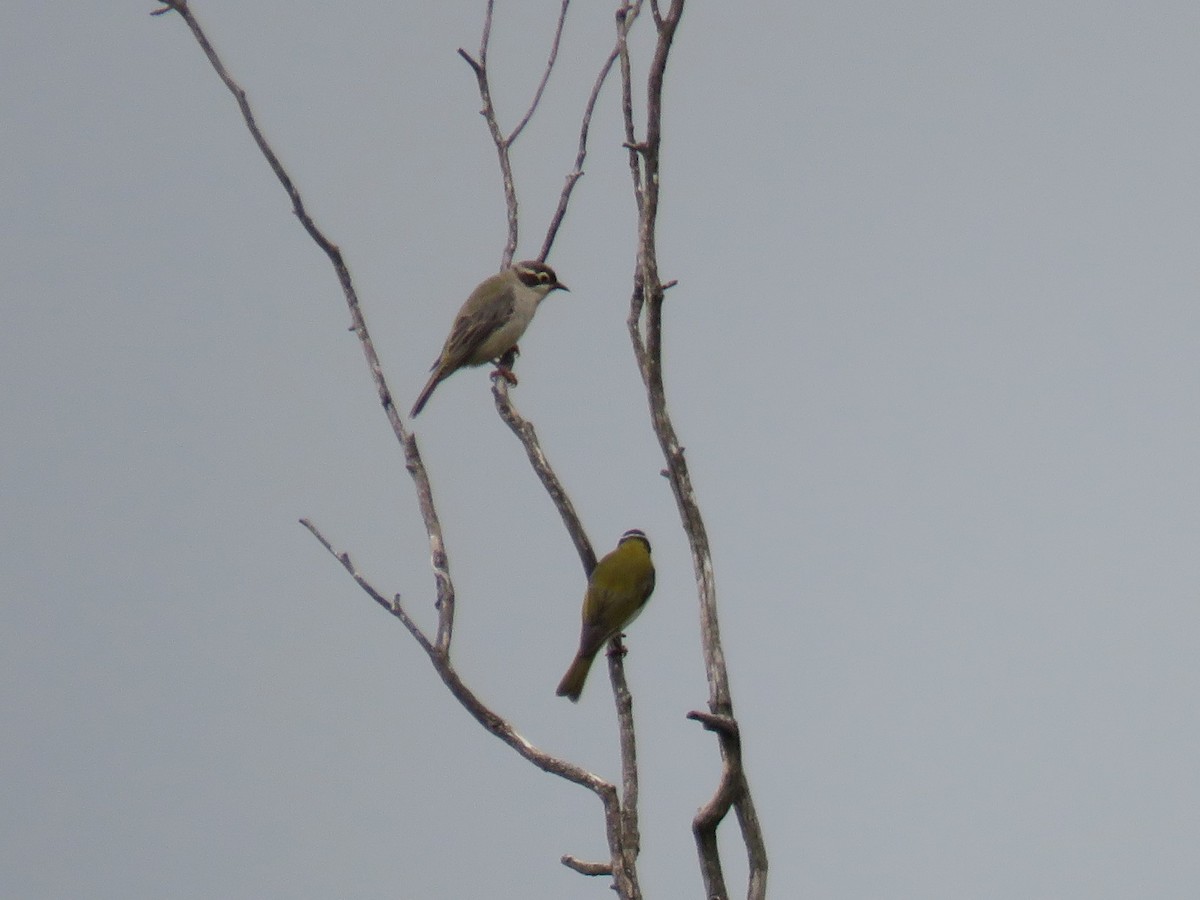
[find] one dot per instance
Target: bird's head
(538, 276)
(635, 534)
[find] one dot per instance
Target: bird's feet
(615, 647)
(503, 371)
(505, 363)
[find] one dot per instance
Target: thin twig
(625, 849)
(479, 67)
(623, 866)
(624, 22)
(631, 839)
(490, 720)
(622, 836)
(393, 605)
(627, 13)
(586, 868)
(438, 557)
(624, 880)
(729, 791)
(438, 651)
(537, 95)
(527, 435)
(444, 585)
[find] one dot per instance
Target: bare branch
(393, 605)
(624, 23)
(479, 67)
(752, 834)
(625, 852)
(437, 547)
(586, 868)
(730, 789)
(438, 651)
(721, 724)
(645, 330)
(470, 61)
(620, 817)
(490, 720)
(537, 95)
(623, 868)
(627, 844)
(444, 585)
(615, 818)
(631, 839)
(527, 435)
(654, 11)
(626, 13)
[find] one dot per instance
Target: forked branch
(617, 819)
(503, 144)
(626, 14)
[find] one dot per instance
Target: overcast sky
(933, 354)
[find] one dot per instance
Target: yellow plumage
(617, 591)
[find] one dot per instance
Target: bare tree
(642, 143)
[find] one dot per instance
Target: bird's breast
(503, 338)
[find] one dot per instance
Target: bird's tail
(433, 381)
(571, 685)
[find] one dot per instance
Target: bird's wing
(647, 586)
(479, 319)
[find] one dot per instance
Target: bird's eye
(543, 277)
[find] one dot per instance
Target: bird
(492, 321)
(617, 591)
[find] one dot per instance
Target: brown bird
(492, 320)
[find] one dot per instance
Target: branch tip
(475, 66)
(585, 868)
(725, 725)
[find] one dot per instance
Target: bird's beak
(558, 285)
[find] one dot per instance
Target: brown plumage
(492, 320)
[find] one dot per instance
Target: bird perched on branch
(617, 591)
(492, 321)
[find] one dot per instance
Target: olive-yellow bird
(618, 590)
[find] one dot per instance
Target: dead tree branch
(444, 584)
(626, 14)
(488, 111)
(527, 435)
(537, 95)
(645, 329)
(624, 868)
(631, 839)
(617, 819)
(497, 725)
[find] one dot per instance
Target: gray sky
(933, 354)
